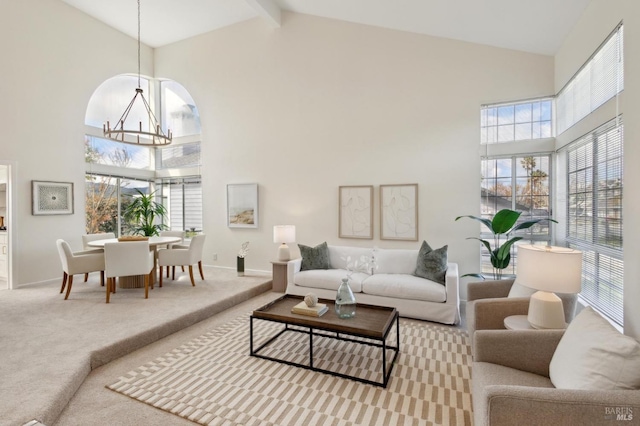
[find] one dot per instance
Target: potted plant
(142, 212)
(502, 224)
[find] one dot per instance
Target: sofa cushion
(342, 257)
(314, 257)
(593, 355)
(431, 264)
(396, 261)
(328, 279)
(404, 286)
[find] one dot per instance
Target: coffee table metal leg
(311, 347)
(251, 335)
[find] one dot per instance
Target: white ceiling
(537, 26)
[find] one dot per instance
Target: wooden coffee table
(371, 324)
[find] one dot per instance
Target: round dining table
(137, 281)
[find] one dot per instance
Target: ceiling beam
(268, 10)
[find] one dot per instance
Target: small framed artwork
(242, 205)
(399, 212)
(50, 198)
(355, 212)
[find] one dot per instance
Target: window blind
(600, 79)
(594, 214)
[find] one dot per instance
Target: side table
(517, 322)
(279, 276)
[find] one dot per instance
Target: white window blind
(184, 203)
(594, 215)
(600, 79)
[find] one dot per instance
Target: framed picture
(242, 205)
(399, 212)
(355, 212)
(48, 198)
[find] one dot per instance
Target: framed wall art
(242, 205)
(355, 212)
(399, 212)
(51, 198)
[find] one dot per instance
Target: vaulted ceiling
(537, 26)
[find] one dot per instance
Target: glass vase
(345, 301)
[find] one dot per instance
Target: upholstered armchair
(86, 238)
(512, 383)
(490, 302)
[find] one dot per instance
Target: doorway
(5, 226)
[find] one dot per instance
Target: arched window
(114, 169)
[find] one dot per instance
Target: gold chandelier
(133, 133)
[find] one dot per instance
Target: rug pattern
(212, 380)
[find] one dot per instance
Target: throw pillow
(593, 355)
(314, 257)
(432, 264)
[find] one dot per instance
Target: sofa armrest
(293, 267)
(489, 314)
(525, 350)
(488, 289)
(509, 405)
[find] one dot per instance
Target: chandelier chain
(138, 44)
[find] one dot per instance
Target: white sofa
(391, 284)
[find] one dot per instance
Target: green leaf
(504, 251)
(473, 275)
(529, 223)
(504, 220)
(484, 221)
(500, 262)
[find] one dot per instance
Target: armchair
(511, 384)
(182, 256)
(488, 305)
(80, 262)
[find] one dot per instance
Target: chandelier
(133, 133)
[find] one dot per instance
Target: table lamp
(549, 270)
(284, 234)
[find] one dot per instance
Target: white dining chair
(179, 244)
(80, 262)
(181, 257)
(124, 259)
(86, 238)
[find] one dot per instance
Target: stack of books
(313, 311)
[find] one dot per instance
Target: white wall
(300, 110)
(54, 57)
(321, 103)
(598, 20)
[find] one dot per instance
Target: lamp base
(284, 254)
(546, 311)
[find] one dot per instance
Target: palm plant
(142, 212)
(502, 224)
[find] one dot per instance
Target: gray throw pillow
(432, 264)
(314, 257)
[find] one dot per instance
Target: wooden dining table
(137, 281)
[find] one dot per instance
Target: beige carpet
(50, 345)
(212, 380)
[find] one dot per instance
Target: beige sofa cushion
(593, 355)
(329, 279)
(402, 286)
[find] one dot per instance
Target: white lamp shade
(551, 269)
(284, 234)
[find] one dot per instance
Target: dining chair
(179, 244)
(183, 256)
(80, 262)
(93, 237)
(123, 259)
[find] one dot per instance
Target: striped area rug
(212, 380)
